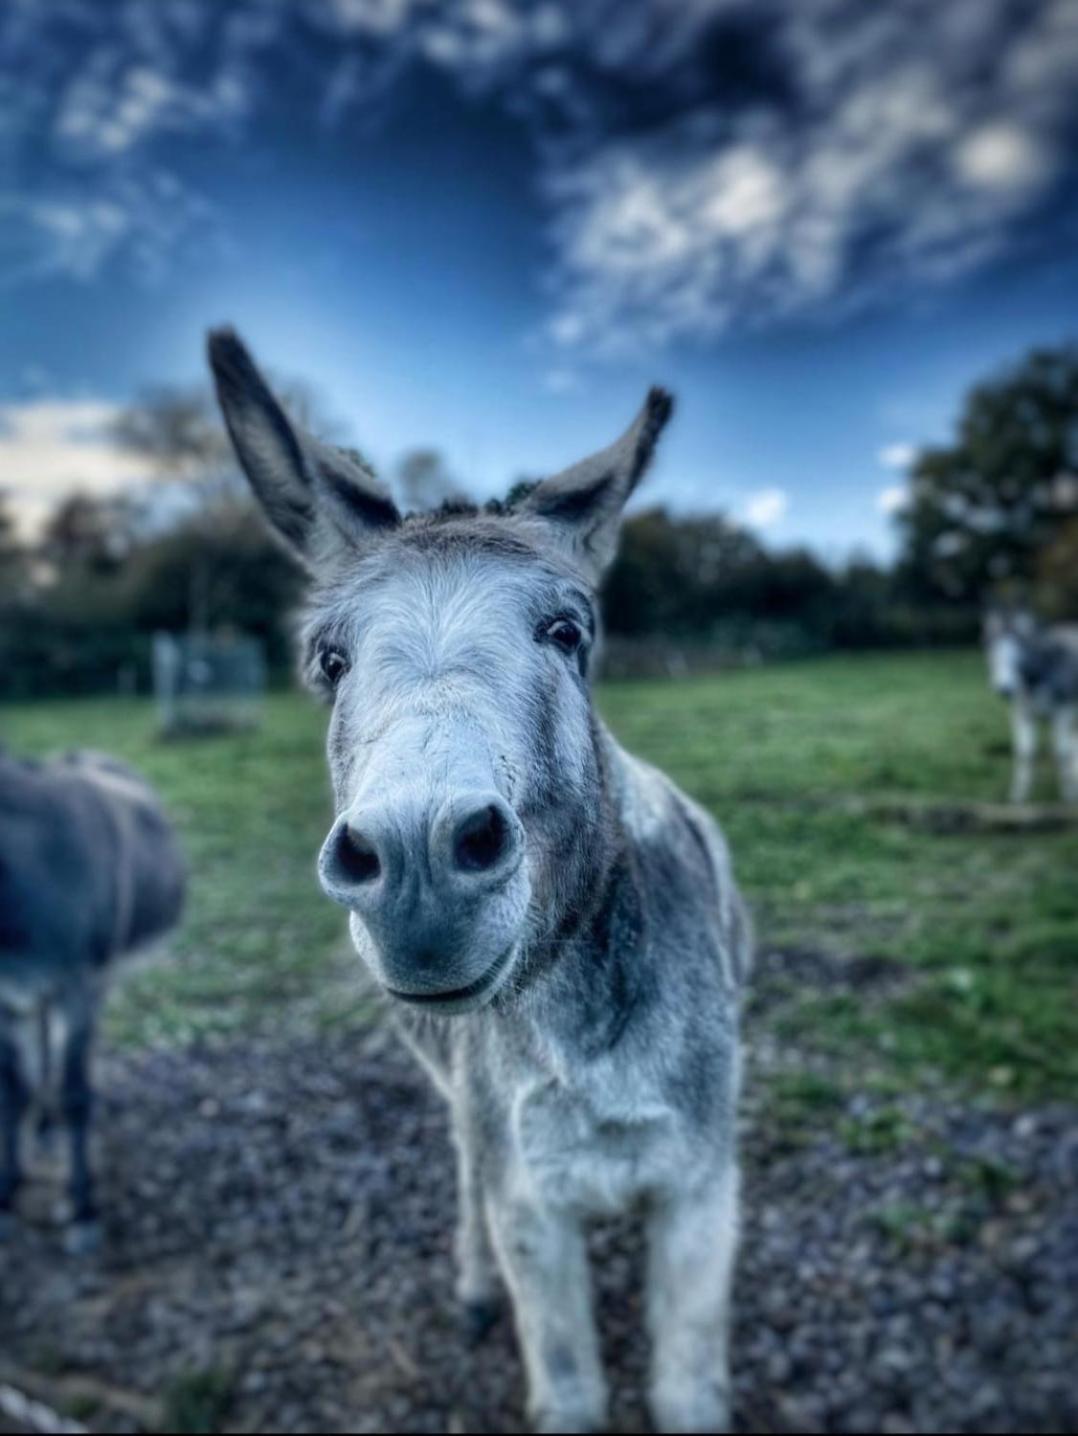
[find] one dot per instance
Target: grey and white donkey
(89, 869)
(557, 924)
(1035, 668)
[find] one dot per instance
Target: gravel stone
(280, 1215)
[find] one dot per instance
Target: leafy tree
(242, 579)
(178, 433)
(986, 510)
(694, 575)
(1057, 574)
(183, 443)
(424, 481)
(212, 521)
(85, 534)
(13, 557)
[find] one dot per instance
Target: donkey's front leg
(477, 1268)
(1065, 734)
(545, 1263)
(14, 1099)
(1025, 752)
(76, 1107)
(692, 1244)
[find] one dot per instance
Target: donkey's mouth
(460, 999)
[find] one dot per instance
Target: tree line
(992, 515)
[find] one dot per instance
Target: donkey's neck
(587, 981)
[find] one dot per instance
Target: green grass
(988, 921)
(196, 1402)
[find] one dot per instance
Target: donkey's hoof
(83, 1238)
(477, 1320)
(690, 1412)
(551, 1422)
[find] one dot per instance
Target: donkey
(89, 869)
(555, 923)
(1035, 667)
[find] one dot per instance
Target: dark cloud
(704, 162)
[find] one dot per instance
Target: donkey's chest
(593, 1147)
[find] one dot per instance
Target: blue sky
(487, 225)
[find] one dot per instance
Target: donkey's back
(89, 866)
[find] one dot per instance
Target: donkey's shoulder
(656, 814)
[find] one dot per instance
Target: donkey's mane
(463, 524)
(457, 508)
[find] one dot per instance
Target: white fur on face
(451, 690)
(444, 671)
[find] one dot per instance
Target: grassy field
(824, 775)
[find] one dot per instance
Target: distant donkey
(89, 869)
(1036, 668)
(557, 923)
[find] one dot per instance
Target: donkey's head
(1008, 636)
(472, 811)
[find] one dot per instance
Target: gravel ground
(278, 1237)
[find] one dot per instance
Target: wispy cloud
(112, 106)
(766, 509)
(893, 499)
(873, 156)
(87, 90)
(705, 163)
(51, 448)
(896, 456)
(62, 233)
(561, 381)
(78, 225)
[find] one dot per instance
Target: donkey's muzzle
(389, 856)
(440, 895)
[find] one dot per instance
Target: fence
(208, 685)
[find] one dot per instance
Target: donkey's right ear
(314, 495)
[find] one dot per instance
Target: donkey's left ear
(582, 505)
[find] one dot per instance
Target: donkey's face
(1007, 636)
(455, 649)
(460, 735)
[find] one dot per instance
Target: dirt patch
(791, 973)
(278, 1240)
(962, 819)
(941, 819)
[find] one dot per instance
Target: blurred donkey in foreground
(89, 869)
(1036, 668)
(557, 924)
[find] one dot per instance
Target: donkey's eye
(564, 634)
(334, 665)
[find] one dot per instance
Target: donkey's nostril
(356, 858)
(480, 840)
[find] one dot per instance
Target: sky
(486, 226)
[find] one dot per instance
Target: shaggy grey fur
(557, 923)
(1035, 667)
(89, 869)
